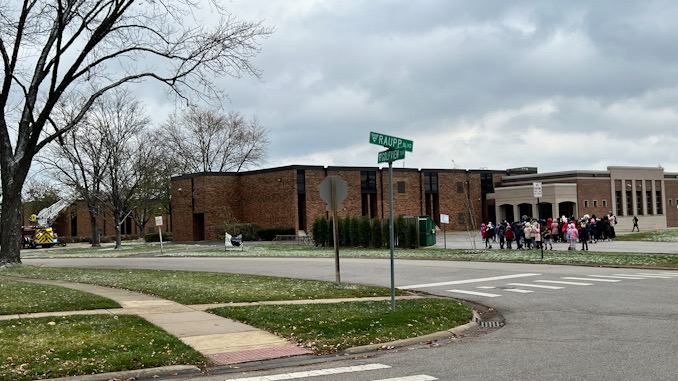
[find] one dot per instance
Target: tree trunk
(96, 237)
(118, 232)
(13, 179)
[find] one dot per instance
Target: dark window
(618, 198)
(486, 185)
(462, 218)
(659, 202)
(368, 181)
(639, 203)
(301, 181)
(648, 201)
(431, 182)
(460, 187)
(401, 187)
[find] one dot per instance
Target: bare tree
(50, 48)
(205, 140)
(121, 122)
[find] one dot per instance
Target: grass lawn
(662, 235)
(128, 248)
(67, 346)
(328, 328)
(592, 258)
(188, 287)
(22, 298)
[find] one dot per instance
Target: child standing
(573, 236)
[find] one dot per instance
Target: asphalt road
(608, 324)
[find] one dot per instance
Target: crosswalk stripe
(465, 281)
(616, 277)
(421, 377)
(315, 373)
(563, 282)
(519, 291)
(660, 274)
(653, 276)
(536, 286)
(591, 280)
(476, 293)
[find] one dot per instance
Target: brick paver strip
(258, 354)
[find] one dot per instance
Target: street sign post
(538, 192)
(390, 141)
(444, 220)
(396, 151)
(333, 190)
(158, 223)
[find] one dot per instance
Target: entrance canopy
(512, 203)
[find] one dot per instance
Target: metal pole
(160, 231)
(390, 231)
(444, 236)
(542, 238)
(334, 230)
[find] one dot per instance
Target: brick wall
(594, 190)
(671, 188)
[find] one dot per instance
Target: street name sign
(390, 155)
(390, 141)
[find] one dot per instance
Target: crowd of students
(532, 233)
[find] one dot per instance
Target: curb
(163, 371)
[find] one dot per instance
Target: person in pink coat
(554, 229)
(574, 236)
(536, 234)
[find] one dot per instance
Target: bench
(293, 239)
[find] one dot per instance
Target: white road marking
(315, 373)
(591, 280)
(421, 377)
(660, 274)
(487, 287)
(474, 293)
(519, 291)
(562, 282)
(616, 277)
(653, 276)
(536, 286)
(465, 281)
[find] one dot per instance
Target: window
(431, 182)
(659, 202)
(462, 218)
(401, 187)
(648, 202)
(586, 203)
(595, 203)
(629, 203)
(604, 203)
(639, 202)
(301, 181)
(368, 181)
(670, 202)
(460, 187)
(618, 198)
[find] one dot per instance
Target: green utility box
(427, 231)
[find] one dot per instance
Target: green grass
(662, 235)
(21, 298)
(592, 258)
(188, 287)
(327, 328)
(107, 250)
(67, 346)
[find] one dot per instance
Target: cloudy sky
(559, 85)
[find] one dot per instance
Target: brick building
(289, 197)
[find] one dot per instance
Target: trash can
(427, 231)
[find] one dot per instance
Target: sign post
(537, 188)
(444, 220)
(396, 151)
(333, 190)
(158, 223)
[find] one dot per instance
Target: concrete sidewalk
(223, 341)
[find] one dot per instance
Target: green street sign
(390, 155)
(390, 141)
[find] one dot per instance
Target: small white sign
(537, 189)
(158, 221)
(444, 219)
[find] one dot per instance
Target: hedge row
(363, 232)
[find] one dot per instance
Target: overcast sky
(559, 85)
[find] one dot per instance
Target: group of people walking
(532, 233)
